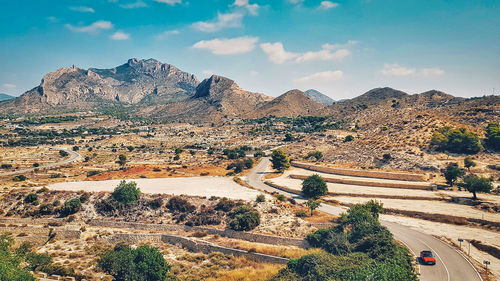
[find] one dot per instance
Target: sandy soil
(453, 232)
(193, 186)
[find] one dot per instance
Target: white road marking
(447, 272)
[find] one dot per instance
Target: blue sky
(341, 48)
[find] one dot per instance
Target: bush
(260, 198)
(46, 209)
(126, 193)
(31, 198)
(456, 140)
(178, 204)
(93, 173)
(156, 203)
(317, 154)
(71, 207)
(63, 153)
(245, 218)
(19, 178)
(38, 260)
(452, 173)
(225, 205)
(281, 197)
(348, 138)
(314, 187)
(301, 214)
(142, 264)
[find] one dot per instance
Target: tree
(280, 160)
(475, 184)
(348, 138)
(456, 140)
(142, 264)
(122, 159)
(468, 163)
(10, 263)
(452, 173)
(493, 135)
(314, 187)
(312, 204)
(126, 192)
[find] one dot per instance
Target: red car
(426, 257)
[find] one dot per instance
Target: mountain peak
(214, 84)
(319, 97)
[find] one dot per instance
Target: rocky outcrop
(319, 97)
(291, 104)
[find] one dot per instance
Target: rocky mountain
(215, 98)
(5, 97)
(319, 97)
(135, 82)
(291, 104)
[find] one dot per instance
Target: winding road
(73, 156)
(451, 265)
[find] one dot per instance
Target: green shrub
(19, 178)
(281, 197)
(126, 193)
(301, 214)
(63, 153)
(456, 140)
(260, 198)
(71, 207)
(225, 204)
(493, 135)
(144, 263)
(348, 138)
(452, 173)
(244, 219)
(46, 209)
(31, 198)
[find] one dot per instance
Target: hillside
(319, 97)
(215, 98)
(5, 97)
(291, 104)
(137, 81)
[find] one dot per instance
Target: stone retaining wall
(371, 183)
(247, 236)
(361, 173)
(63, 233)
(195, 246)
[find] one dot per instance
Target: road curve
(450, 266)
(74, 156)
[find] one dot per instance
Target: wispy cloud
(9, 86)
(93, 28)
(170, 2)
(224, 46)
(394, 69)
(167, 33)
(134, 5)
(276, 53)
(295, 2)
(82, 9)
(432, 72)
(119, 35)
(326, 5)
(228, 20)
(321, 77)
(252, 8)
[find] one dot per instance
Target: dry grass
(261, 272)
(279, 251)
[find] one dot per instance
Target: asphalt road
(73, 156)
(450, 266)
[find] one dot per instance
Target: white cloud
(395, 69)
(82, 9)
(295, 1)
(93, 28)
(166, 33)
(224, 46)
(9, 86)
(326, 5)
(170, 2)
(120, 36)
(228, 20)
(324, 55)
(276, 52)
(347, 45)
(432, 72)
(254, 73)
(252, 8)
(134, 5)
(321, 77)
